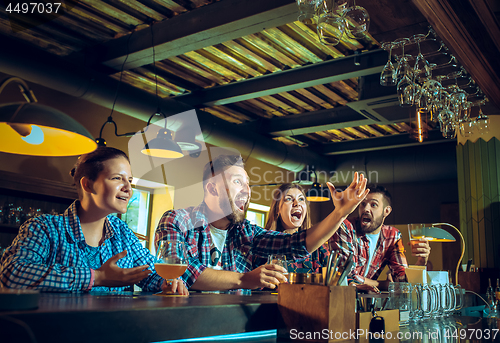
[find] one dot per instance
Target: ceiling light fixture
(317, 193)
(163, 145)
(28, 128)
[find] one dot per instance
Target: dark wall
(417, 202)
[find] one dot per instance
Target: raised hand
(346, 201)
(267, 275)
(110, 275)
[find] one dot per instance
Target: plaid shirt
(245, 242)
(312, 263)
(389, 251)
(50, 254)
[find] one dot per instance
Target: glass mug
(400, 297)
(416, 309)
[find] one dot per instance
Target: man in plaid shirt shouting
(374, 245)
(222, 244)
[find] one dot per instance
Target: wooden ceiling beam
(322, 120)
(371, 62)
(471, 32)
(205, 26)
(377, 143)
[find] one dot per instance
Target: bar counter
(144, 317)
(137, 317)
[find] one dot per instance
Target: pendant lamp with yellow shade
(29, 128)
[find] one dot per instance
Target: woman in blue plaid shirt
(86, 248)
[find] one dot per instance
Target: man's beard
(235, 216)
(374, 225)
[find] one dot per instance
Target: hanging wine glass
(440, 103)
(330, 28)
(466, 127)
(357, 21)
(482, 122)
(307, 10)
(422, 69)
(429, 94)
(417, 96)
(388, 75)
(331, 6)
(448, 129)
(403, 68)
(405, 92)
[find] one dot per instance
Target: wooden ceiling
(251, 63)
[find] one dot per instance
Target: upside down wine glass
(388, 75)
(422, 69)
(331, 27)
(171, 261)
(307, 10)
(357, 21)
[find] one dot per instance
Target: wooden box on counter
(315, 313)
(326, 314)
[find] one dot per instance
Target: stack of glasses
(424, 86)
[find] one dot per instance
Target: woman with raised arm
(289, 213)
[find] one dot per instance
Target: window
(137, 216)
(257, 214)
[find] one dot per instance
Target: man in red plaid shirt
(375, 245)
(222, 244)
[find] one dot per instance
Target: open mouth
(122, 198)
(240, 202)
(366, 220)
(296, 215)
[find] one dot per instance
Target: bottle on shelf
(490, 294)
(497, 294)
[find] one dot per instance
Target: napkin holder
(416, 274)
(438, 277)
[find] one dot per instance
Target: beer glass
(450, 300)
(279, 260)
(459, 297)
(426, 301)
(171, 261)
(416, 312)
(438, 300)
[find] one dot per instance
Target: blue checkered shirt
(245, 242)
(50, 254)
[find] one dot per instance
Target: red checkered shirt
(389, 251)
